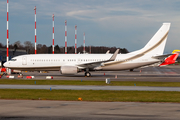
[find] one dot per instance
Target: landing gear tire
(87, 74)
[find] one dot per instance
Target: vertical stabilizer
(157, 43)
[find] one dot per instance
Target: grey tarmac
(89, 87)
(80, 110)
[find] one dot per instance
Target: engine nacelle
(69, 70)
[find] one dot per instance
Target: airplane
(150, 54)
(171, 59)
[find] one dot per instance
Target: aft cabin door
(24, 61)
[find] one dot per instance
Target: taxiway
(72, 110)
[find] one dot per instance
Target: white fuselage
(55, 61)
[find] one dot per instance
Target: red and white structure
(8, 70)
(7, 32)
(53, 33)
(75, 39)
(84, 44)
(35, 29)
(65, 36)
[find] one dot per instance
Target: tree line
(42, 48)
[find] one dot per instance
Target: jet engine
(69, 70)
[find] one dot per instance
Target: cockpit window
(13, 59)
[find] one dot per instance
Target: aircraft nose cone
(5, 64)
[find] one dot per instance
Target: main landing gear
(87, 73)
(131, 70)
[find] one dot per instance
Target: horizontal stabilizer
(162, 57)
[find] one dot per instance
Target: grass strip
(91, 95)
(86, 82)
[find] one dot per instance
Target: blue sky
(122, 23)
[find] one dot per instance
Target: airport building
(12, 53)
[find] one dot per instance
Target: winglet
(114, 55)
(108, 52)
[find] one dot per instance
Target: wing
(92, 65)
